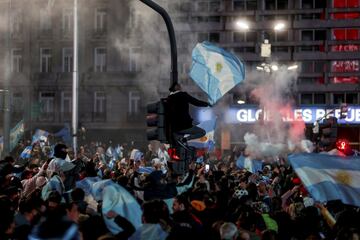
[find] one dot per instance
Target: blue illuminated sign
(251, 113)
(307, 114)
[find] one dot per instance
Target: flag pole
(75, 82)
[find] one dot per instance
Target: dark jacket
(178, 107)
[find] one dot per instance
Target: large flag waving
(329, 177)
(215, 70)
(40, 135)
(26, 153)
(64, 133)
(251, 165)
(206, 141)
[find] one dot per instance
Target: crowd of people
(124, 192)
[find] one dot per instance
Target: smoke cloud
(274, 135)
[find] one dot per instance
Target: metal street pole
(171, 32)
(75, 83)
(7, 117)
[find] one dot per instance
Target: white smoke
(273, 134)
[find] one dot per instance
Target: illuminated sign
(250, 114)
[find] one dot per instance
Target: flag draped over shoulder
(26, 153)
(251, 165)
(206, 141)
(215, 70)
(118, 199)
(329, 177)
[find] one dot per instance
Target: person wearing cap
(180, 119)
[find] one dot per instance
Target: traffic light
(156, 121)
(343, 146)
(328, 133)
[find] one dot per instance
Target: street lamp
(242, 24)
(293, 67)
(274, 67)
(279, 26)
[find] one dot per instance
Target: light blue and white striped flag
(26, 153)
(251, 165)
(206, 141)
(215, 70)
(146, 170)
(40, 135)
(329, 177)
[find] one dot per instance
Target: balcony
(98, 116)
(135, 117)
(47, 117)
(65, 116)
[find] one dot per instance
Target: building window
(45, 20)
(281, 36)
(100, 59)
(313, 66)
(16, 21)
(211, 37)
(179, 7)
(16, 60)
(209, 6)
(311, 4)
(67, 59)
(17, 102)
(99, 102)
(67, 20)
(244, 5)
(134, 102)
(338, 98)
(184, 68)
(313, 98)
(276, 4)
(47, 102)
(319, 98)
(313, 35)
(209, 19)
(66, 101)
(349, 98)
(240, 50)
(134, 59)
(244, 36)
(45, 60)
(100, 20)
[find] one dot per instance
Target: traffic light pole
(171, 32)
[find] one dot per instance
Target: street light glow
(259, 68)
(274, 67)
(279, 26)
(242, 24)
(241, 101)
(293, 67)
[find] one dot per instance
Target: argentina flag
(40, 135)
(215, 70)
(329, 177)
(26, 153)
(206, 141)
(250, 165)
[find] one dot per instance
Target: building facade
(321, 36)
(124, 57)
(40, 48)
